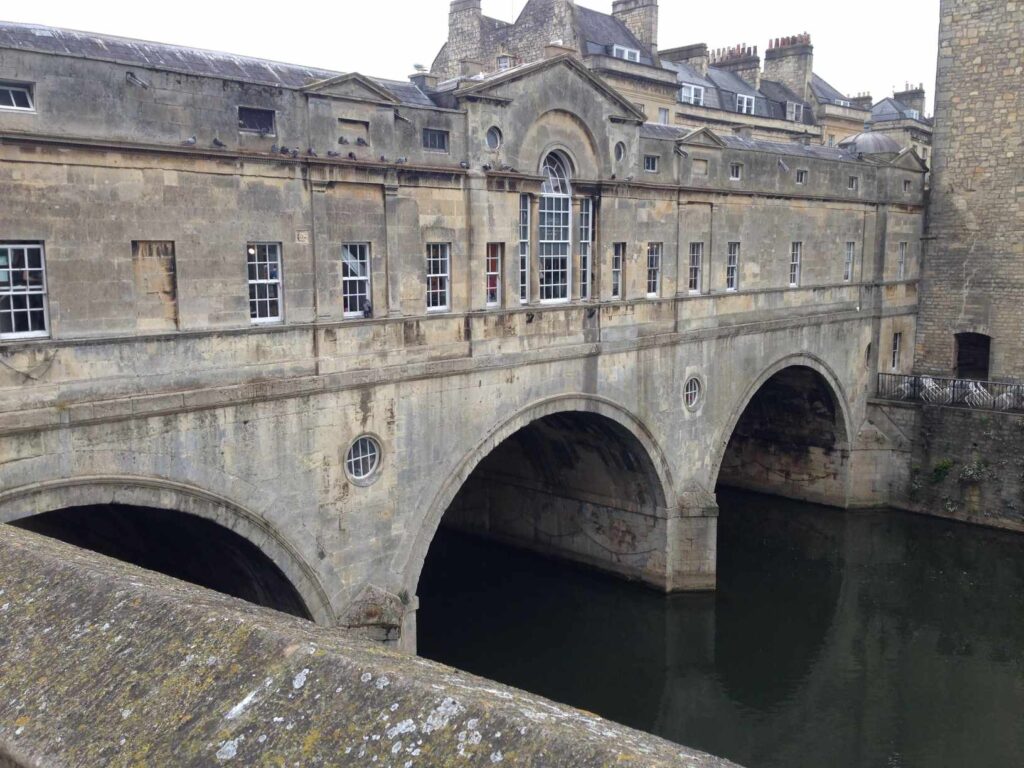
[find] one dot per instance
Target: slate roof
(892, 109)
(778, 95)
(789, 148)
(686, 74)
(600, 32)
(176, 58)
(825, 92)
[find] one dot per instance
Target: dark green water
(836, 639)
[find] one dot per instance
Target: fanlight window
(555, 230)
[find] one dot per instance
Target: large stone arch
(567, 132)
(412, 554)
(145, 492)
(844, 420)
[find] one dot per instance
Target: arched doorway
(791, 439)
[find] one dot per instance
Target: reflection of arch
(844, 425)
(411, 556)
(144, 492)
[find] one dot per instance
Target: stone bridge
(560, 430)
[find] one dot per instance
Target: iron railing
(962, 393)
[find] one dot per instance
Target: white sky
(869, 45)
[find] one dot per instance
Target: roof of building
(176, 58)
(871, 143)
(893, 109)
(733, 141)
(779, 95)
(600, 32)
(825, 92)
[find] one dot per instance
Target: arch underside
(791, 440)
(257, 563)
(574, 485)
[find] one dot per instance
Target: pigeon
(218, 143)
(362, 142)
(190, 141)
(488, 167)
(343, 140)
(274, 148)
(383, 159)
(332, 153)
(351, 155)
(464, 165)
(311, 153)
(402, 161)
(284, 150)
(295, 154)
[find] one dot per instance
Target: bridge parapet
(102, 663)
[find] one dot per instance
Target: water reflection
(840, 639)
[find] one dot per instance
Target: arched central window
(555, 229)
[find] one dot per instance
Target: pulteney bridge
(297, 433)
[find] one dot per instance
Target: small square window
(435, 140)
(907, 186)
(735, 171)
(853, 184)
(700, 167)
(651, 163)
(744, 104)
(628, 54)
(16, 96)
(663, 116)
(692, 94)
(252, 120)
(801, 176)
(794, 112)
(504, 62)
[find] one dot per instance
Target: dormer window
(504, 62)
(794, 112)
(622, 52)
(913, 114)
(744, 104)
(16, 96)
(252, 120)
(692, 94)
(843, 103)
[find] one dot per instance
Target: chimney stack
(741, 59)
(695, 56)
(640, 18)
(912, 97)
(790, 61)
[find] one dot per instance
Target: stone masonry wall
(974, 276)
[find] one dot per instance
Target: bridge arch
(412, 556)
(821, 388)
(145, 493)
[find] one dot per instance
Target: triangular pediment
(909, 160)
(492, 86)
(352, 86)
(702, 137)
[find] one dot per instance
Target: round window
(363, 459)
(494, 138)
(620, 151)
(692, 393)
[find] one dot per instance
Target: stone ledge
(102, 663)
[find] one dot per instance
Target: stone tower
(640, 18)
(790, 61)
(973, 281)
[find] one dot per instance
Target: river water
(836, 639)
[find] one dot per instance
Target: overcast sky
(870, 45)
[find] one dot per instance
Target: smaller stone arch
(566, 132)
(412, 555)
(143, 492)
(833, 384)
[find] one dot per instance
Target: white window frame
(618, 262)
(732, 268)
(31, 292)
(555, 229)
(692, 391)
(654, 258)
(504, 62)
(362, 460)
(524, 249)
(897, 349)
(901, 261)
(493, 265)
(437, 132)
(744, 104)
(354, 285)
(908, 186)
(272, 281)
(843, 103)
(695, 95)
(914, 114)
(439, 269)
(831, 139)
(9, 88)
(627, 54)
(696, 267)
(735, 171)
(664, 116)
(802, 175)
(796, 257)
(853, 184)
(849, 257)
(586, 245)
(652, 167)
(794, 112)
